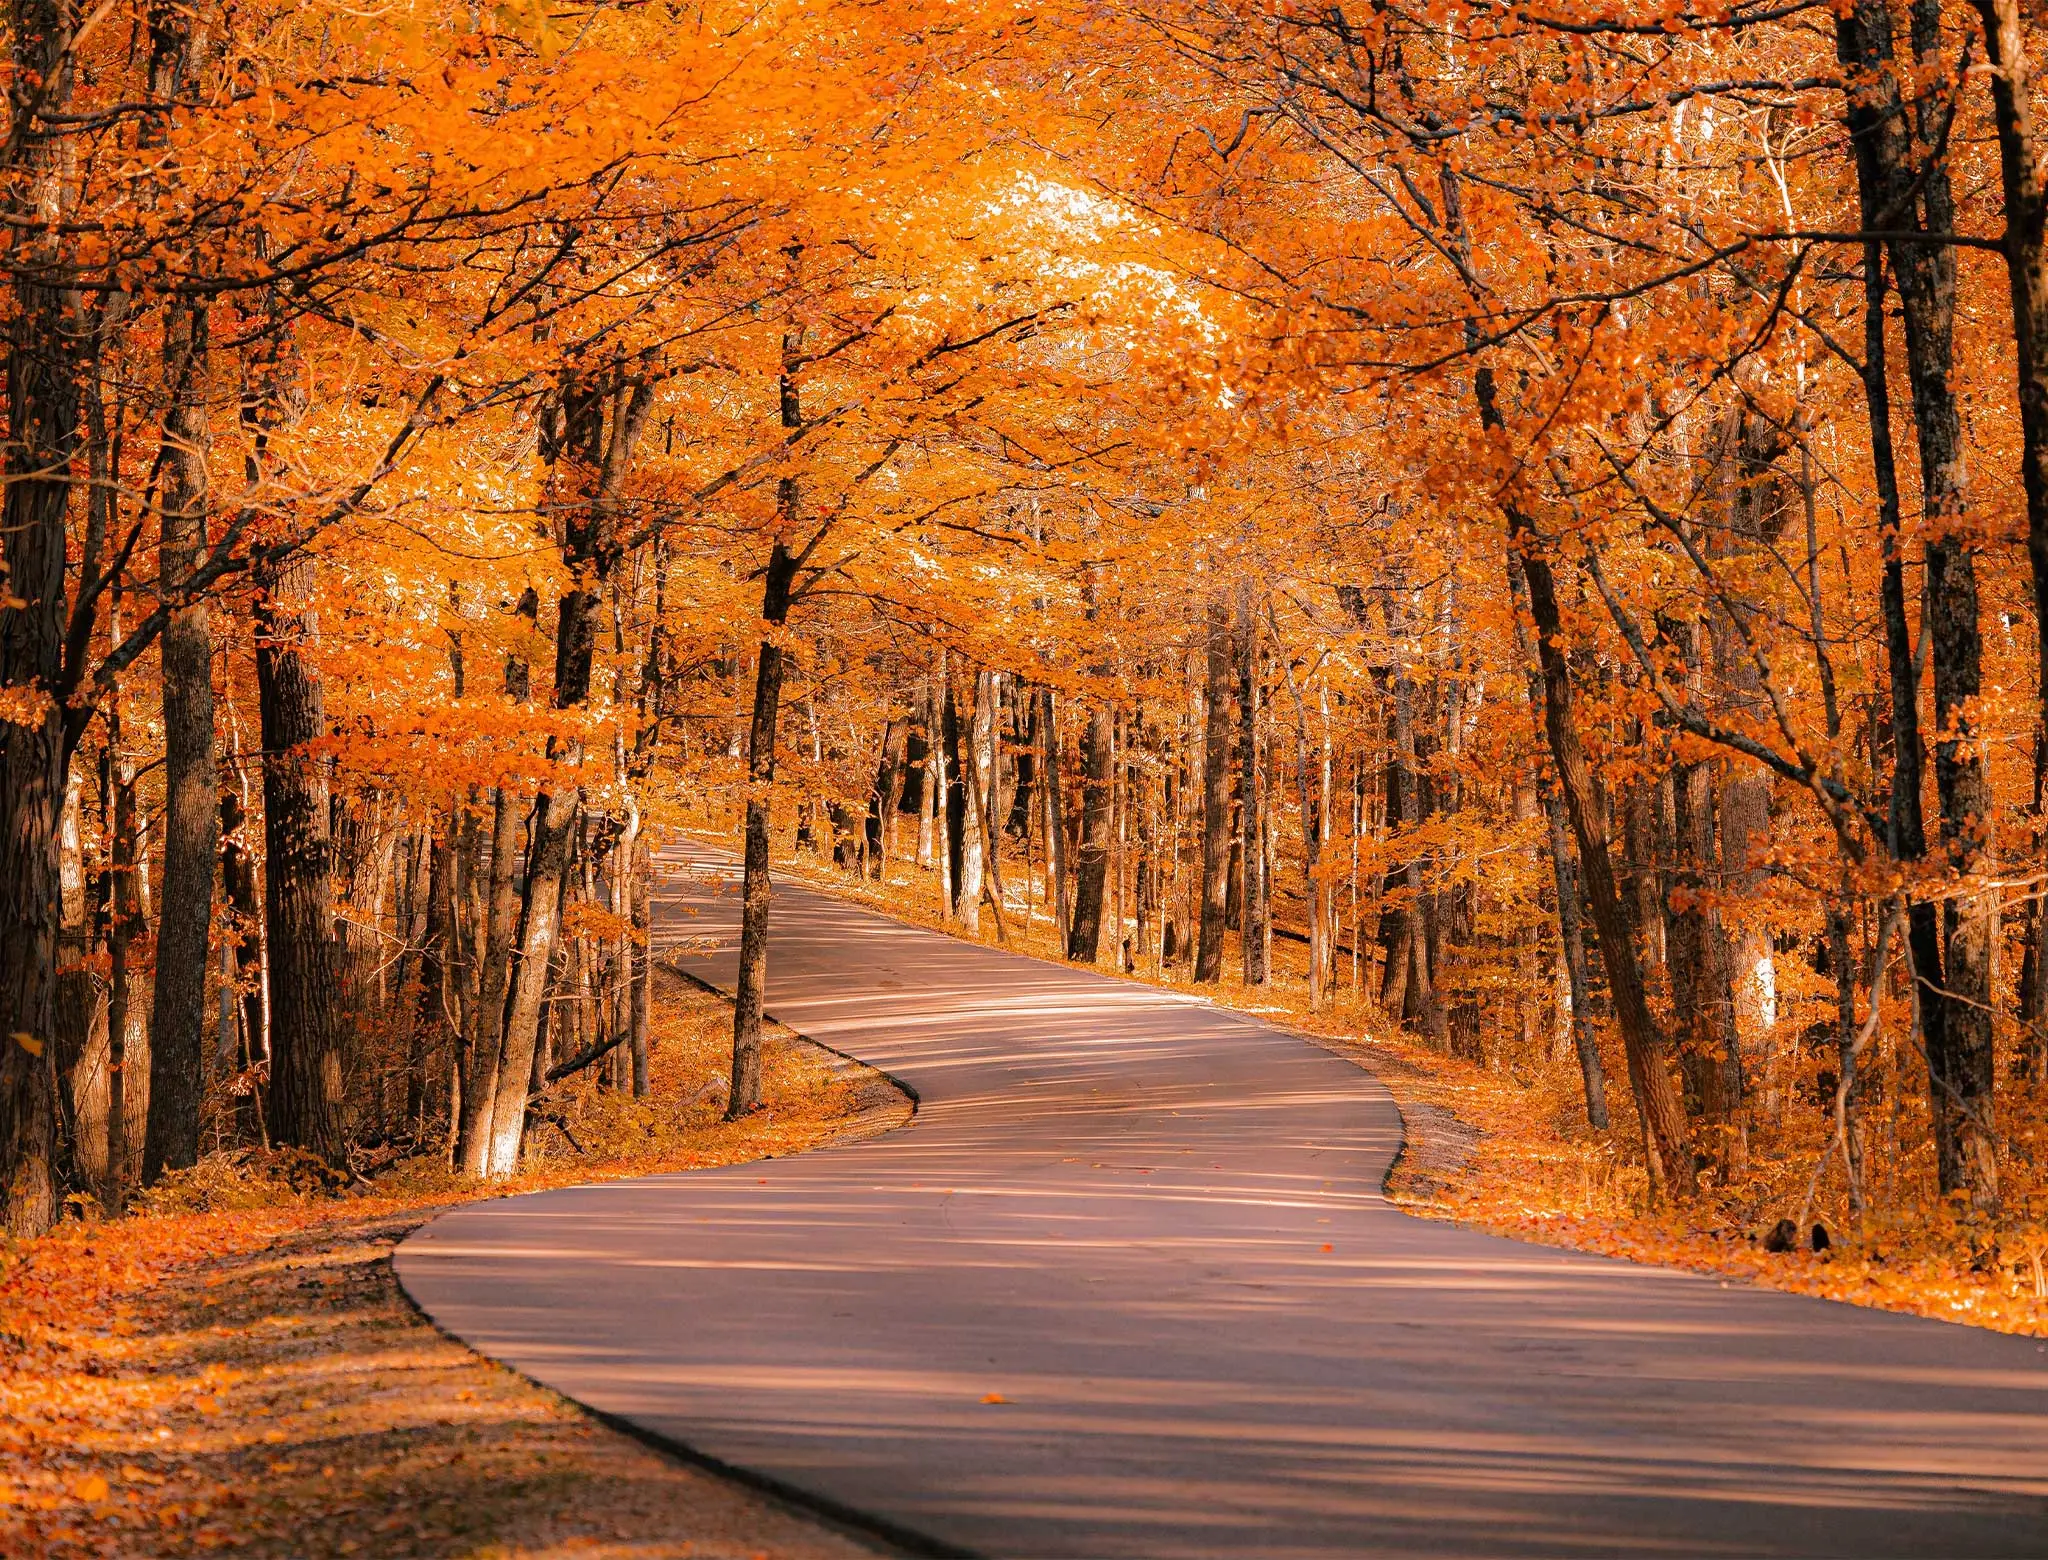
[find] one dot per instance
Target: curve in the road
(1155, 1231)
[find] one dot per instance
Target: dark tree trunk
(1864, 42)
(1649, 1059)
(934, 828)
(1396, 923)
(954, 795)
(1420, 1005)
(306, 1062)
(483, 1044)
(885, 796)
(45, 370)
(1256, 915)
(1703, 976)
(409, 921)
(745, 1095)
(177, 1048)
(640, 957)
(1138, 787)
(1055, 823)
(1902, 188)
(1961, 1096)
(591, 447)
(1215, 799)
(2033, 982)
(1023, 795)
(352, 829)
(435, 1037)
(1084, 940)
(2016, 111)
(1843, 967)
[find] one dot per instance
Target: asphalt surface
(1155, 1231)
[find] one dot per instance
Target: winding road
(1155, 1231)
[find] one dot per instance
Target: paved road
(1156, 1231)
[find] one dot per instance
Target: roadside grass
(235, 1371)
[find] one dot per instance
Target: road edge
(848, 1521)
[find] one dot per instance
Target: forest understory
(234, 1370)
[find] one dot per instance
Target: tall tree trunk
(2032, 993)
(1843, 967)
(1256, 916)
(939, 784)
(45, 371)
(1649, 1058)
(177, 1049)
(1145, 890)
(352, 829)
(1055, 823)
(1397, 920)
(953, 823)
(1702, 975)
(1564, 866)
(602, 414)
(1422, 933)
(306, 1063)
(1966, 1147)
(1962, 1071)
(436, 1045)
(2016, 112)
(745, 1095)
(487, 1026)
(640, 952)
(927, 782)
(1913, 190)
(408, 921)
(884, 797)
(1084, 939)
(1571, 937)
(553, 825)
(985, 774)
(1023, 796)
(1863, 39)
(124, 920)
(1215, 798)
(1312, 831)
(967, 810)
(481, 1058)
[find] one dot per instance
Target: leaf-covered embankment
(239, 1372)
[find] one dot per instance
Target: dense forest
(1524, 524)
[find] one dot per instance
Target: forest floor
(1514, 1156)
(237, 1372)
